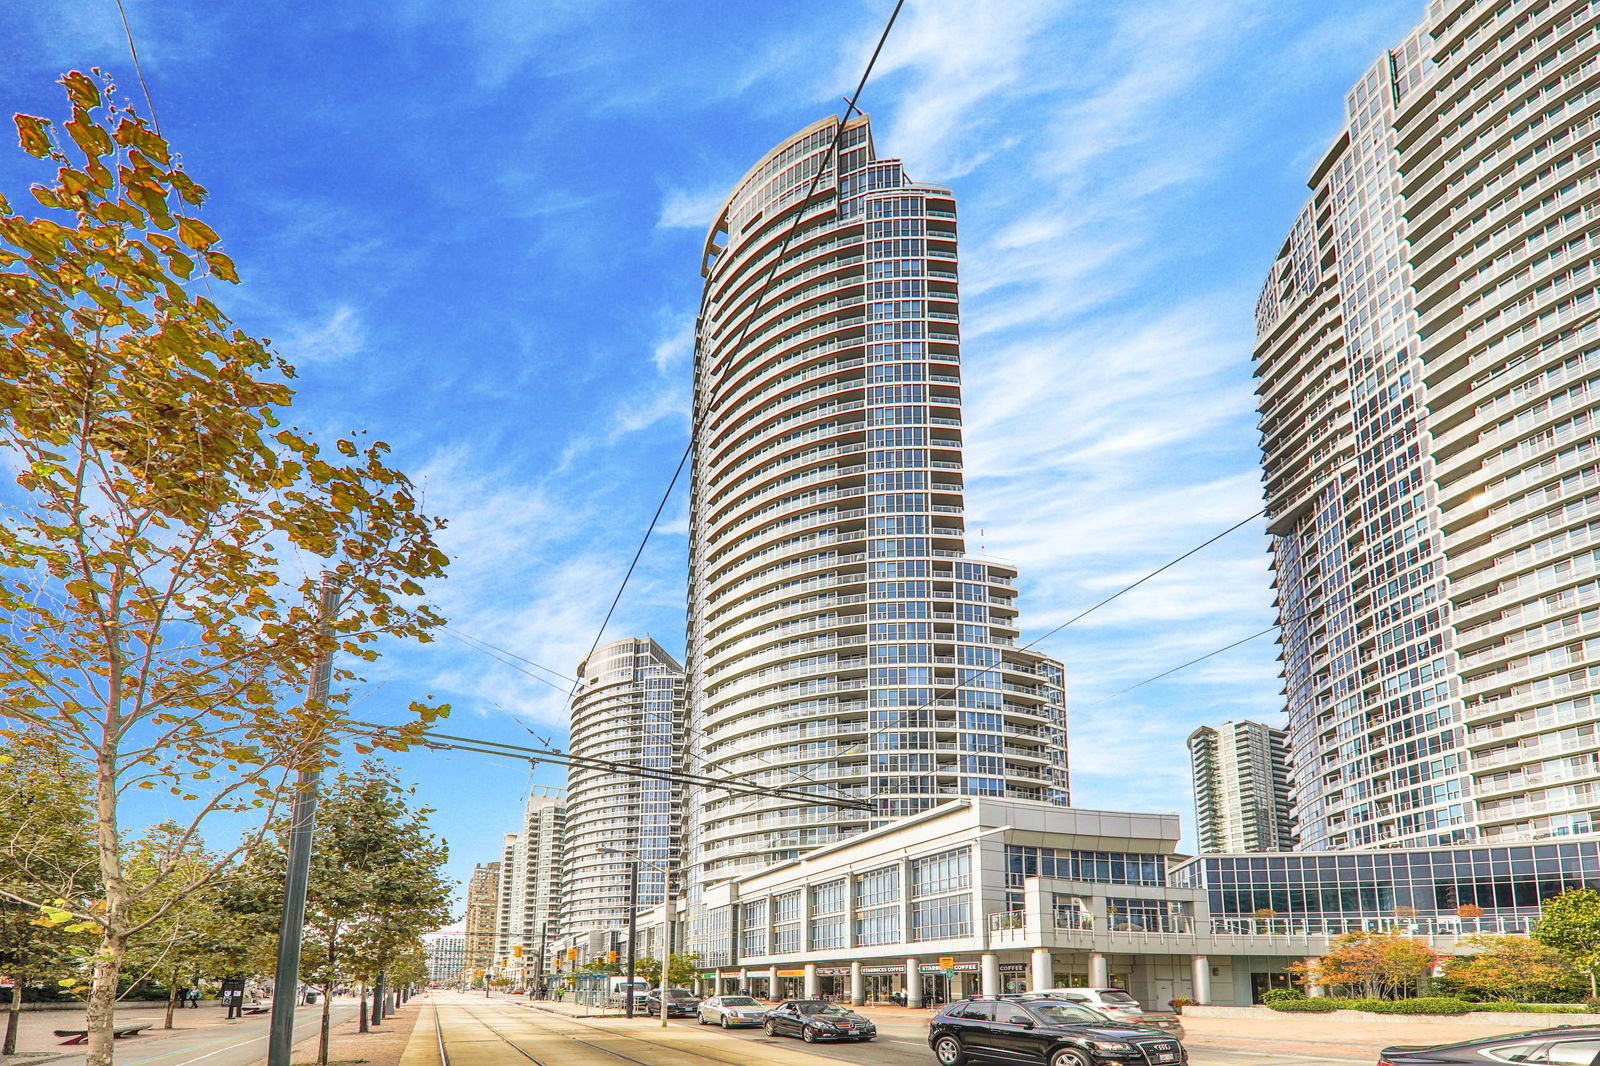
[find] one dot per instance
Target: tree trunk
(103, 995)
(14, 1015)
(108, 846)
(1592, 993)
(361, 1013)
(327, 1015)
(172, 997)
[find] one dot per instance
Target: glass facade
(1378, 885)
(841, 640)
(1428, 363)
(628, 707)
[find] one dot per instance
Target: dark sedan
(817, 1019)
(681, 1003)
(1566, 1045)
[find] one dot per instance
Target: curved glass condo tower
(841, 640)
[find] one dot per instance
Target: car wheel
(772, 1030)
(947, 1049)
(1069, 1057)
(808, 1034)
(724, 1021)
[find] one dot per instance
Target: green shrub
(1531, 1008)
(1307, 1006)
(1282, 995)
(1421, 1005)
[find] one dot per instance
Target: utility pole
(633, 926)
(302, 823)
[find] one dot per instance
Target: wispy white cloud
(339, 335)
(691, 208)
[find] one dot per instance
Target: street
(480, 1032)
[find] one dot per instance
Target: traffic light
(516, 950)
(572, 954)
(611, 956)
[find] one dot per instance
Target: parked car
(817, 1019)
(1039, 1029)
(1114, 1003)
(681, 1003)
(1566, 1045)
(731, 1011)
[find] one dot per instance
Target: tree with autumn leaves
(1377, 965)
(150, 625)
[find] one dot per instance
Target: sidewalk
(37, 1042)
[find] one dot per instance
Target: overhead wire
(697, 422)
(137, 69)
(1185, 666)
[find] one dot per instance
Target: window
(936, 919)
(1572, 1052)
(786, 908)
(978, 1010)
(828, 898)
(1011, 1014)
(946, 872)
(876, 887)
(881, 926)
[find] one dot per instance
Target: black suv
(1049, 1031)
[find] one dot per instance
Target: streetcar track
(567, 1035)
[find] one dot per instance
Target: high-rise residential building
(627, 708)
(446, 955)
(1241, 787)
(1427, 353)
(483, 908)
(841, 640)
(530, 886)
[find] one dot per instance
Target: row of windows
(949, 871)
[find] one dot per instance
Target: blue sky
(476, 229)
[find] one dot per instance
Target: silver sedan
(732, 1011)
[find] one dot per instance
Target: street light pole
(633, 927)
(302, 823)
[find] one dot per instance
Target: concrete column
(1099, 972)
(858, 985)
(1314, 990)
(813, 985)
(913, 984)
(989, 974)
(1202, 980)
(772, 983)
(1041, 970)
(744, 979)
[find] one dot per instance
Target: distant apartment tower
(446, 955)
(841, 640)
(530, 886)
(482, 918)
(1241, 787)
(627, 708)
(1428, 356)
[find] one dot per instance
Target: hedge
(1308, 1006)
(1532, 1008)
(1420, 1005)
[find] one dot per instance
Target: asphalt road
(479, 1032)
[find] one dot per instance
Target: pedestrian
(191, 996)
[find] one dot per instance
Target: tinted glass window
(1113, 995)
(1062, 1014)
(981, 1010)
(1514, 1052)
(737, 1001)
(1011, 1013)
(1573, 1052)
